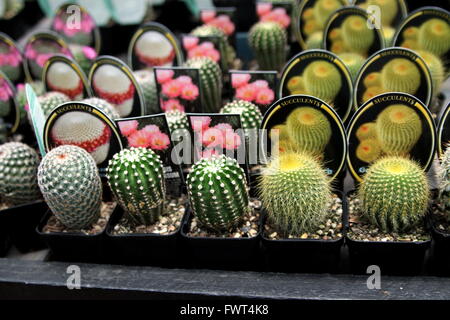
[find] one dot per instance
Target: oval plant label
(302, 123)
(321, 74)
(390, 124)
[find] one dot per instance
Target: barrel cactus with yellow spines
(295, 191)
(356, 34)
(402, 75)
(322, 80)
(367, 130)
(217, 190)
(268, 41)
(434, 36)
(353, 62)
(394, 194)
(309, 129)
(444, 178)
(368, 150)
(398, 129)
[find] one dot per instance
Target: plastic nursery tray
(221, 253)
(305, 255)
(141, 248)
(393, 257)
(21, 221)
(441, 251)
(73, 246)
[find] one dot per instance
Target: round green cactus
(373, 79)
(296, 85)
(400, 74)
(295, 191)
(436, 67)
(146, 80)
(434, 36)
(394, 194)
(51, 100)
(323, 10)
(18, 173)
(398, 129)
(444, 178)
(69, 180)
(217, 191)
(104, 106)
(356, 35)
(322, 80)
(268, 41)
(136, 178)
(250, 114)
(309, 130)
(353, 62)
(210, 82)
(177, 120)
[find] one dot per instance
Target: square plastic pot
(304, 255)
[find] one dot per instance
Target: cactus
(436, 67)
(388, 8)
(368, 150)
(394, 194)
(322, 80)
(367, 130)
(353, 62)
(444, 178)
(177, 120)
(296, 85)
(398, 129)
(268, 41)
(388, 35)
(309, 130)
(136, 178)
(400, 74)
(434, 36)
(210, 82)
(323, 10)
(373, 79)
(356, 35)
(146, 80)
(50, 101)
(310, 27)
(104, 106)
(338, 47)
(295, 191)
(218, 192)
(410, 33)
(249, 113)
(69, 180)
(18, 173)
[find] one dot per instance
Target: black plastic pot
(140, 248)
(304, 255)
(221, 253)
(21, 222)
(73, 246)
(5, 242)
(441, 251)
(393, 257)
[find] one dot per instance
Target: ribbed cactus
(146, 80)
(280, 130)
(398, 129)
(295, 191)
(367, 130)
(444, 178)
(368, 150)
(353, 62)
(394, 194)
(400, 74)
(268, 41)
(177, 120)
(434, 36)
(51, 100)
(322, 80)
(18, 173)
(250, 114)
(356, 35)
(309, 130)
(217, 190)
(136, 178)
(436, 67)
(372, 92)
(69, 180)
(104, 106)
(323, 9)
(210, 82)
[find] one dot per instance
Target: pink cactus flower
(223, 126)
(171, 89)
(159, 141)
(89, 52)
(139, 139)
(263, 8)
(260, 84)
(207, 15)
(162, 76)
(247, 93)
(127, 128)
(232, 140)
(184, 79)
(265, 96)
(150, 129)
(189, 92)
(200, 123)
(207, 45)
(212, 137)
(208, 153)
(172, 104)
(190, 42)
(240, 79)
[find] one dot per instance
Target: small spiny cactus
(444, 178)
(51, 100)
(400, 74)
(296, 85)
(373, 79)
(250, 114)
(268, 41)
(434, 36)
(368, 150)
(367, 130)
(177, 120)
(322, 80)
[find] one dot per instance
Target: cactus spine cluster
(218, 192)
(146, 80)
(104, 106)
(309, 130)
(69, 180)
(51, 100)
(356, 35)
(394, 194)
(210, 82)
(295, 191)
(250, 114)
(398, 129)
(177, 120)
(402, 75)
(434, 36)
(268, 41)
(136, 178)
(322, 80)
(18, 173)
(444, 177)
